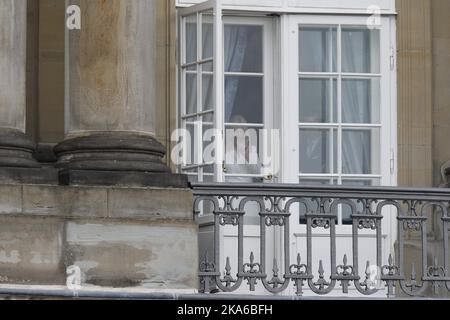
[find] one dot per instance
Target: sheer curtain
(356, 100)
(235, 44)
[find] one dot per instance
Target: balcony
(314, 241)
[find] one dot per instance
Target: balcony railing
(408, 267)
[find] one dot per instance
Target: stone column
(110, 94)
(16, 149)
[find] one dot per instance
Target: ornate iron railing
(422, 219)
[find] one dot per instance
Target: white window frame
(285, 85)
(220, 21)
(388, 115)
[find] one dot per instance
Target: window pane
(243, 48)
(360, 50)
(208, 92)
(360, 101)
(360, 151)
(207, 67)
(318, 49)
(318, 100)
(192, 177)
(316, 153)
(207, 37)
(209, 150)
(191, 93)
(243, 99)
(190, 149)
(191, 39)
(242, 150)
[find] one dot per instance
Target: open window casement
(201, 83)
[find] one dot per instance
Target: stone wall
(123, 238)
(441, 89)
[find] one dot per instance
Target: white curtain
(235, 44)
(356, 96)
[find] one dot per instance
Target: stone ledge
(38, 176)
(122, 179)
(96, 202)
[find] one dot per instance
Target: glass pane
(360, 50)
(318, 100)
(190, 149)
(191, 93)
(361, 101)
(243, 99)
(360, 151)
(208, 134)
(317, 151)
(191, 39)
(208, 176)
(317, 49)
(207, 67)
(242, 149)
(193, 178)
(208, 92)
(243, 48)
(207, 37)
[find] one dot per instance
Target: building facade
(87, 116)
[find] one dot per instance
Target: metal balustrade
(422, 217)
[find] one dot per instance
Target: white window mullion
(219, 90)
(339, 104)
(339, 114)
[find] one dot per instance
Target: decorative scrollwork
(391, 269)
(275, 220)
(228, 203)
(252, 272)
(369, 281)
(299, 274)
(321, 283)
(275, 204)
(368, 206)
(345, 274)
(228, 280)
(229, 220)
(438, 272)
(275, 282)
(207, 275)
(413, 285)
(412, 225)
(321, 223)
(367, 224)
(318, 208)
(206, 265)
(390, 274)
